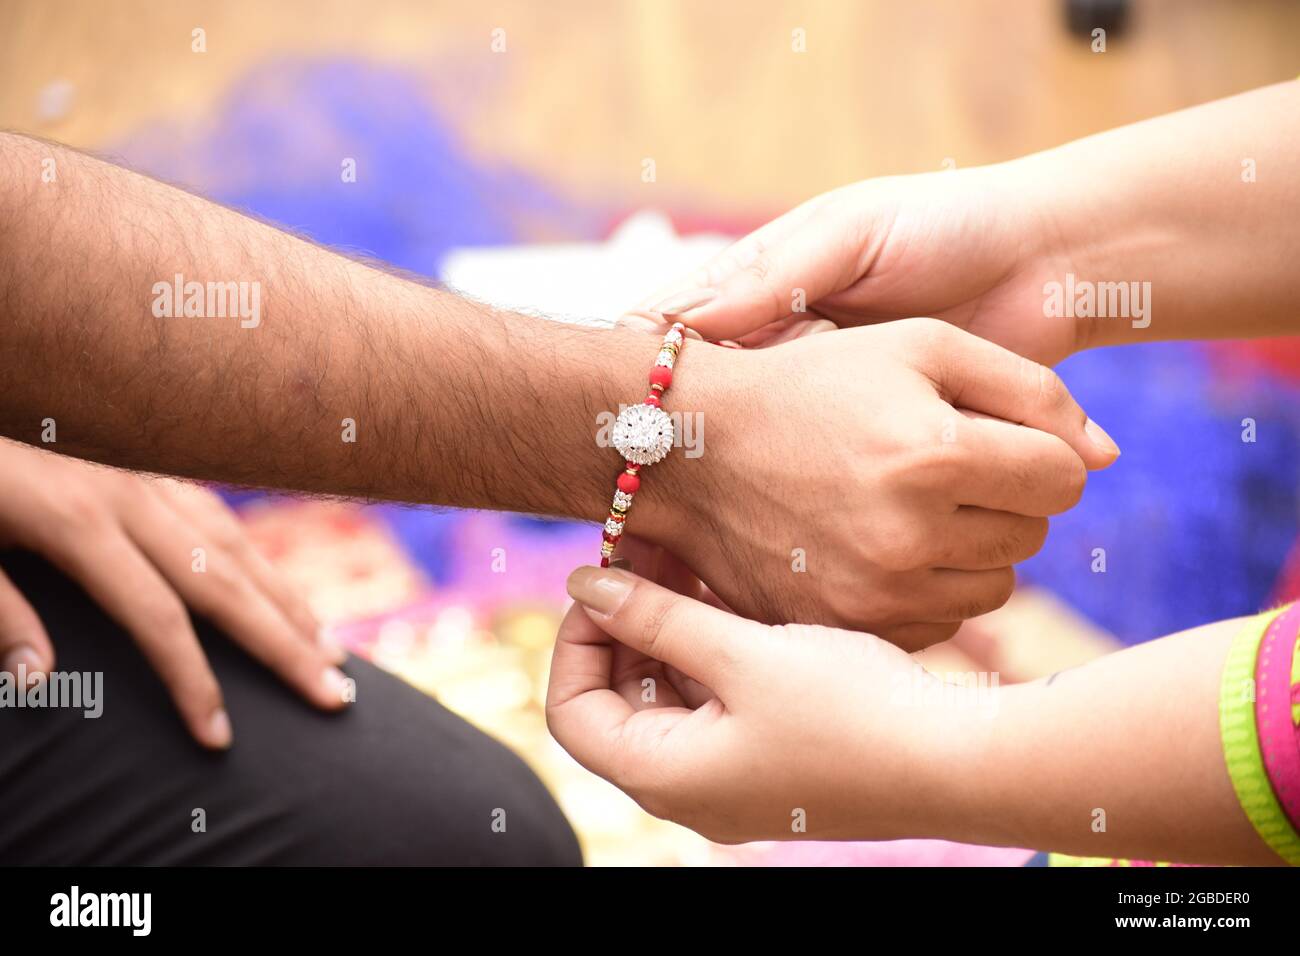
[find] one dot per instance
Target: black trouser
(396, 779)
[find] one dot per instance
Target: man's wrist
(679, 494)
(591, 374)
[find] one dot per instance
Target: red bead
(604, 562)
(661, 375)
(653, 399)
(628, 484)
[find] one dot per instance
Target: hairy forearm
(1120, 757)
(347, 380)
(1202, 204)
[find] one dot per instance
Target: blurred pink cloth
(892, 853)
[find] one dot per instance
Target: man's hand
(129, 541)
(882, 478)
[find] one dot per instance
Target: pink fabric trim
(1279, 742)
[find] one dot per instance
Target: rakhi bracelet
(643, 435)
(1279, 743)
(1241, 750)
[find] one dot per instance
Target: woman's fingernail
(328, 643)
(1098, 436)
(336, 684)
(684, 302)
(599, 589)
(24, 664)
(219, 733)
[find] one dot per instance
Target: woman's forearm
(1120, 757)
(1202, 204)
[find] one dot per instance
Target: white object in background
(588, 283)
(54, 102)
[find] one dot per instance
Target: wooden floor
(710, 89)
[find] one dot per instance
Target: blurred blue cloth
(1195, 522)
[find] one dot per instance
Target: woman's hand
(130, 542)
(970, 246)
(746, 732)
(977, 247)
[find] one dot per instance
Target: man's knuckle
(1049, 391)
(1004, 588)
(1022, 478)
(997, 550)
(993, 592)
(1071, 481)
(900, 551)
(997, 593)
(1031, 538)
